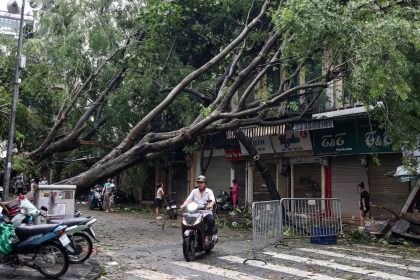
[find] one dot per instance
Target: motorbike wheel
(173, 215)
(188, 248)
(83, 247)
(51, 260)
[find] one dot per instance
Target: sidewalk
(89, 270)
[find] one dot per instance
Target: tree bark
(262, 168)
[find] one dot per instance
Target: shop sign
(351, 137)
(234, 154)
(372, 138)
(262, 144)
(292, 141)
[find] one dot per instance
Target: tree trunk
(262, 168)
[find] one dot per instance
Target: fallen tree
(232, 83)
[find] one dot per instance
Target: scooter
(81, 246)
(40, 247)
(27, 212)
(224, 201)
(193, 232)
(170, 206)
(81, 235)
(95, 198)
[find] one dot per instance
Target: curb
(90, 270)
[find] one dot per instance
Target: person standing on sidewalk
(159, 199)
(235, 193)
(107, 192)
(364, 203)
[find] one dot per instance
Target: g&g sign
(333, 140)
(375, 139)
(351, 137)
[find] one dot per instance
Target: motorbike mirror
(44, 208)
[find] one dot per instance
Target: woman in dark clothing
(364, 203)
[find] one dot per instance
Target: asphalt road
(134, 246)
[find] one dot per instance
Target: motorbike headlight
(218, 200)
(192, 206)
(24, 210)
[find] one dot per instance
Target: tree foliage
(128, 81)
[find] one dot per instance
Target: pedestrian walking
(160, 193)
(364, 203)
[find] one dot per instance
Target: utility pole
(20, 64)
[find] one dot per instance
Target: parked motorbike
(81, 234)
(78, 230)
(95, 198)
(27, 212)
(193, 232)
(170, 206)
(39, 246)
(224, 201)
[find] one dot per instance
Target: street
(134, 246)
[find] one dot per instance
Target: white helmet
(201, 178)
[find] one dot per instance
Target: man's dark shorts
(158, 202)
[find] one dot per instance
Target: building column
(232, 172)
(250, 183)
(323, 181)
(292, 181)
(322, 187)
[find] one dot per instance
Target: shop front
(353, 146)
(257, 188)
(305, 173)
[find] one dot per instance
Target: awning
(402, 171)
(257, 131)
(313, 125)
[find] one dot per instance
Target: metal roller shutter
(307, 179)
(346, 173)
(239, 167)
(218, 175)
(386, 191)
(180, 182)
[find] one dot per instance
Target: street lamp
(13, 7)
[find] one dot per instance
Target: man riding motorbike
(203, 195)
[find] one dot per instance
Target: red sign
(234, 154)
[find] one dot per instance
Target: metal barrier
(265, 225)
(311, 218)
(315, 218)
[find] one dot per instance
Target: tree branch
(198, 95)
(63, 114)
(132, 135)
(261, 74)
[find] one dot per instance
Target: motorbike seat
(70, 222)
(24, 232)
